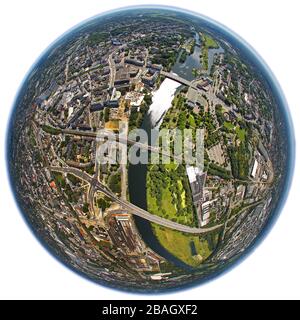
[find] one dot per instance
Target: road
(112, 68)
(98, 186)
(179, 79)
(91, 196)
(123, 165)
(210, 95)
(114, 137)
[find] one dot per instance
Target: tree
(85, 207)
(106, 114)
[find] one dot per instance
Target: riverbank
(137, 174)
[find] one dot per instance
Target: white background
(27, 270)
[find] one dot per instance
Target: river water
(137, 174)
(192, 62)
(161, 101)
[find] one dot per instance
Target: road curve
(96, 185)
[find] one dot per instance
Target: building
(121, 232)
(115, 95)
(96, 107)
(240, 193)
(194, 98)
(150, 78)
(135, 98)
(254, 169)
(156, 67)
(134, 62)
(197, 180)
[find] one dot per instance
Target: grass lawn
(171, 166)
(241, 133)
(151, 203)
(167, 195)
(169, 184)
(179, 245)
(228, 125)
(182, 195)
(175, 100)
(167, 205)
(192, 121)
(209, 42)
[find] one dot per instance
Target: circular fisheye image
(150, 149)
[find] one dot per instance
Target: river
(137, 174)
(185, 70)
(192, 62)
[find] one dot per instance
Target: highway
(114, 137)
(98, 186)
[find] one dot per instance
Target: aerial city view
(128, 211)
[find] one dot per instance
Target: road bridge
(98, 186)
